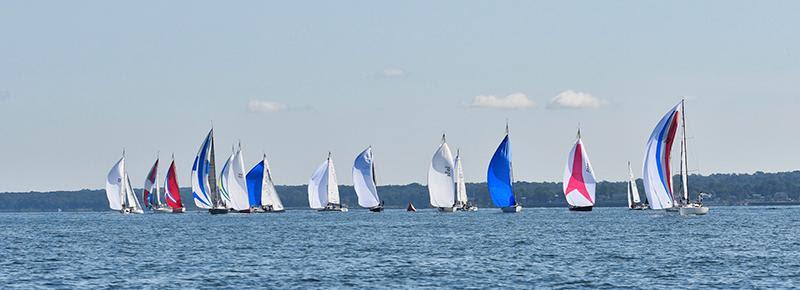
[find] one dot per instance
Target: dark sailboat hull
(376, 209)
(218, 211)
(580, 208)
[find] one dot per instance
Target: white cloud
(260, 106)
(570, 99)
(393, 72)
(512, 101)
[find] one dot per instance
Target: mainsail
(322, 187)
(441, 186)
(633, 189)
(657, 173)
(223, 182)
(364, 179)
(579, 180)
(500, 177)
(114, 184)
(152, 194)
(236, 185)
(260, 187)
(461, 187)
(172, 192)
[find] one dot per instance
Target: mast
(684, 162)
(511, 163)
(212, 175)
(158, 188)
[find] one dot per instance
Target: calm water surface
(733, 247)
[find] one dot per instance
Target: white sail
(114, 185)
(633, 189)
(461, 187)
(223, 182)
(133, 202)
(364, 179)
(269, 196)
(235, 183)
(579, 180)
(318, 187)
(441, 186)
(333, 186)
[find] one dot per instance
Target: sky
(82, 80)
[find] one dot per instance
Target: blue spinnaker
(254, 183)
(499, 176)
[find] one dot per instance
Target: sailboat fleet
(253, 191)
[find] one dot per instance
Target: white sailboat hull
(512, 209)
(694, 210)
(162, 210)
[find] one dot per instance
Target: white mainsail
(441, 186)
(633, 189)
(223, 181)
(579, 180)
(233, 177)
(364, 179)
(333, 186)
(269, 196)
(131, 201)
(461, 187)
(114, 184)
(322, 187)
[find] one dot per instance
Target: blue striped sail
(657, 172)
(199, 178)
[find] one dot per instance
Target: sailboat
(323, 190)
(462, 201)
(411, 207)
(152, 193)
(657, 171)
(172, 192)
(119, 192)
(364, 181)
(500, 178)
(634, 202)
(235, 184)
(579, 180)
(261, 189)
(441, 185)
(204, 179)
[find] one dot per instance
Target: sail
(333, 185)
(318, 187)
(172, 192)
(130, 195)
(441, 186)
(657, 174)
(201, 190)
(255, 184)
(633, 189)
(499, 177)
(269, 196)
(223, 181)
(364, 180)
(236, 185)
(150, 186)
(579, 180)
(114, 185)
(461, 187)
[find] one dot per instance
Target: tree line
(725, 189)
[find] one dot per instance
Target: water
(733, 247)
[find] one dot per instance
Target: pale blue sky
(80, 80)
